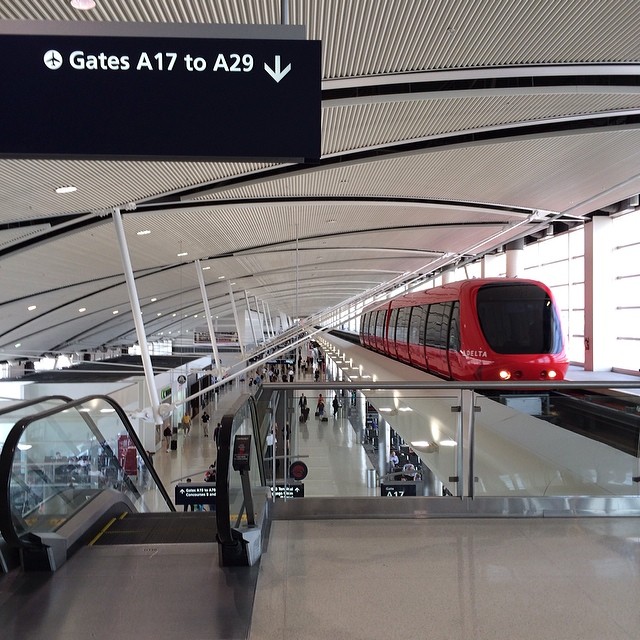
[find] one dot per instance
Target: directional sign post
(88, 96)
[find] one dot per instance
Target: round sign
(298, 470)
(182, 379)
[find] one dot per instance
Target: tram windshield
(518, 318)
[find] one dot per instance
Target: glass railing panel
(65, 458)
(13, 410)
(350, 454)
(531, 444)
(243, 426)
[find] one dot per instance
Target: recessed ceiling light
(220, 277)
(68, 189)
(115, 312)
(83, 5)
(173, 315)
(144, 232)
(206, 268)
(158, 314)
(32, 307)
(195, 315)
(82, 309)
(17, 344)
(153, 299)
(184, 253)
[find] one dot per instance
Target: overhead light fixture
(32, 307)
(17, 344)
(144, 232)
(82, 309)
(220, 277)
(159, 314)
(183, 253)
(83, 5)
(206, 268)
(153, 299)
(24, 447)
(115, 312)
(68, 189)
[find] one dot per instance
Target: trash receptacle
(372, 480)
(174, 445)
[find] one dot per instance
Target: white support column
(136, 312)
(515, 252)
(598, 286)
(266, 321)
(207, 312)
(273, 333)
(253, 331)
(235, 316)
(261, 321)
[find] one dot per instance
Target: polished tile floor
(450, 579)
(453, 579)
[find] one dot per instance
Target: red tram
(483, 329)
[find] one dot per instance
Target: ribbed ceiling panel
(572, 167)
(362, 37)
(101, 184)
(18, 234)
(355, 126)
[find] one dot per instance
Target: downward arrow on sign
(277, 74)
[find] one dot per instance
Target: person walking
(204, 418)
(167, 437)
(186, 423)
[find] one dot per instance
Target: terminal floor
(454, 579)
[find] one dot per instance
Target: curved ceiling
(448, 129)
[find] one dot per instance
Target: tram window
(402, 325)
(380, 323)
(454, 327)
(392, 324)
(416, 325)
(423, 324)
(364, 324)
(518, 318)
(434, 326)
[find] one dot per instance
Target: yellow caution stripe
(104, 529)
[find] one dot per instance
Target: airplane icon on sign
(53, 59)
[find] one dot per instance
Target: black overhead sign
(295, 490)
(126, 97)
(195, 493)
(397, 489)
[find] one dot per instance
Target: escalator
(103, 552)
(159, 528)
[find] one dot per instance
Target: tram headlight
(504, 374)
(551, 374)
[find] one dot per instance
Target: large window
(518, 318)
(435, 321)
(402, 324)
(416, 325)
